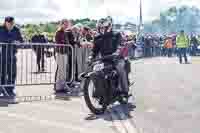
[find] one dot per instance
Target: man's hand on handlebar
(89, 60)
(117, 53)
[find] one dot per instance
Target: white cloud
(46, 10)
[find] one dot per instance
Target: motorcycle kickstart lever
(131, 84)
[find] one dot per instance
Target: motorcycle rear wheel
(88, 99)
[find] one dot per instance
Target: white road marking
(151, 110)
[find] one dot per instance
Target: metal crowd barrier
(22, 63)
(155, 51)
(81, 56)
(33, 63)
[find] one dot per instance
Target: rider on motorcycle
(106, 43)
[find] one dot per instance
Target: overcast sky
(47, 10)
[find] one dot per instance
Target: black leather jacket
(9, 50)
(106, 44)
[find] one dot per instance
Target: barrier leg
(3, 91)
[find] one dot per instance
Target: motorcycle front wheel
(90, 99)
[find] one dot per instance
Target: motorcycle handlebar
(113, 56)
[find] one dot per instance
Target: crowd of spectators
(80, 38)
(165, 45)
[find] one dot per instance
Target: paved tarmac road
(167, 95)
(167, 100)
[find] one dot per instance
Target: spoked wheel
(96, 105)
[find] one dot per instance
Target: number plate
(98, 67)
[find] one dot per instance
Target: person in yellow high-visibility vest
(182, 43)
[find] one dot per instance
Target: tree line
(175, 19)
(50, 28)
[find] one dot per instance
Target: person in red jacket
(168, 45)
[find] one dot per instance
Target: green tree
(49, 28)
(175, 19)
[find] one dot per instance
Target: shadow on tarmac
(42, 72)
(115, 110)
(3, 104)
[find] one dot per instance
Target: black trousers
(40, 58)
(182, 52)
(169, 52)
(123, 75)
(8, 72)
(70, 64)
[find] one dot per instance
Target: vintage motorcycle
(101, 85)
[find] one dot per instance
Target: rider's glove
(89, 61)
(117, 53)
